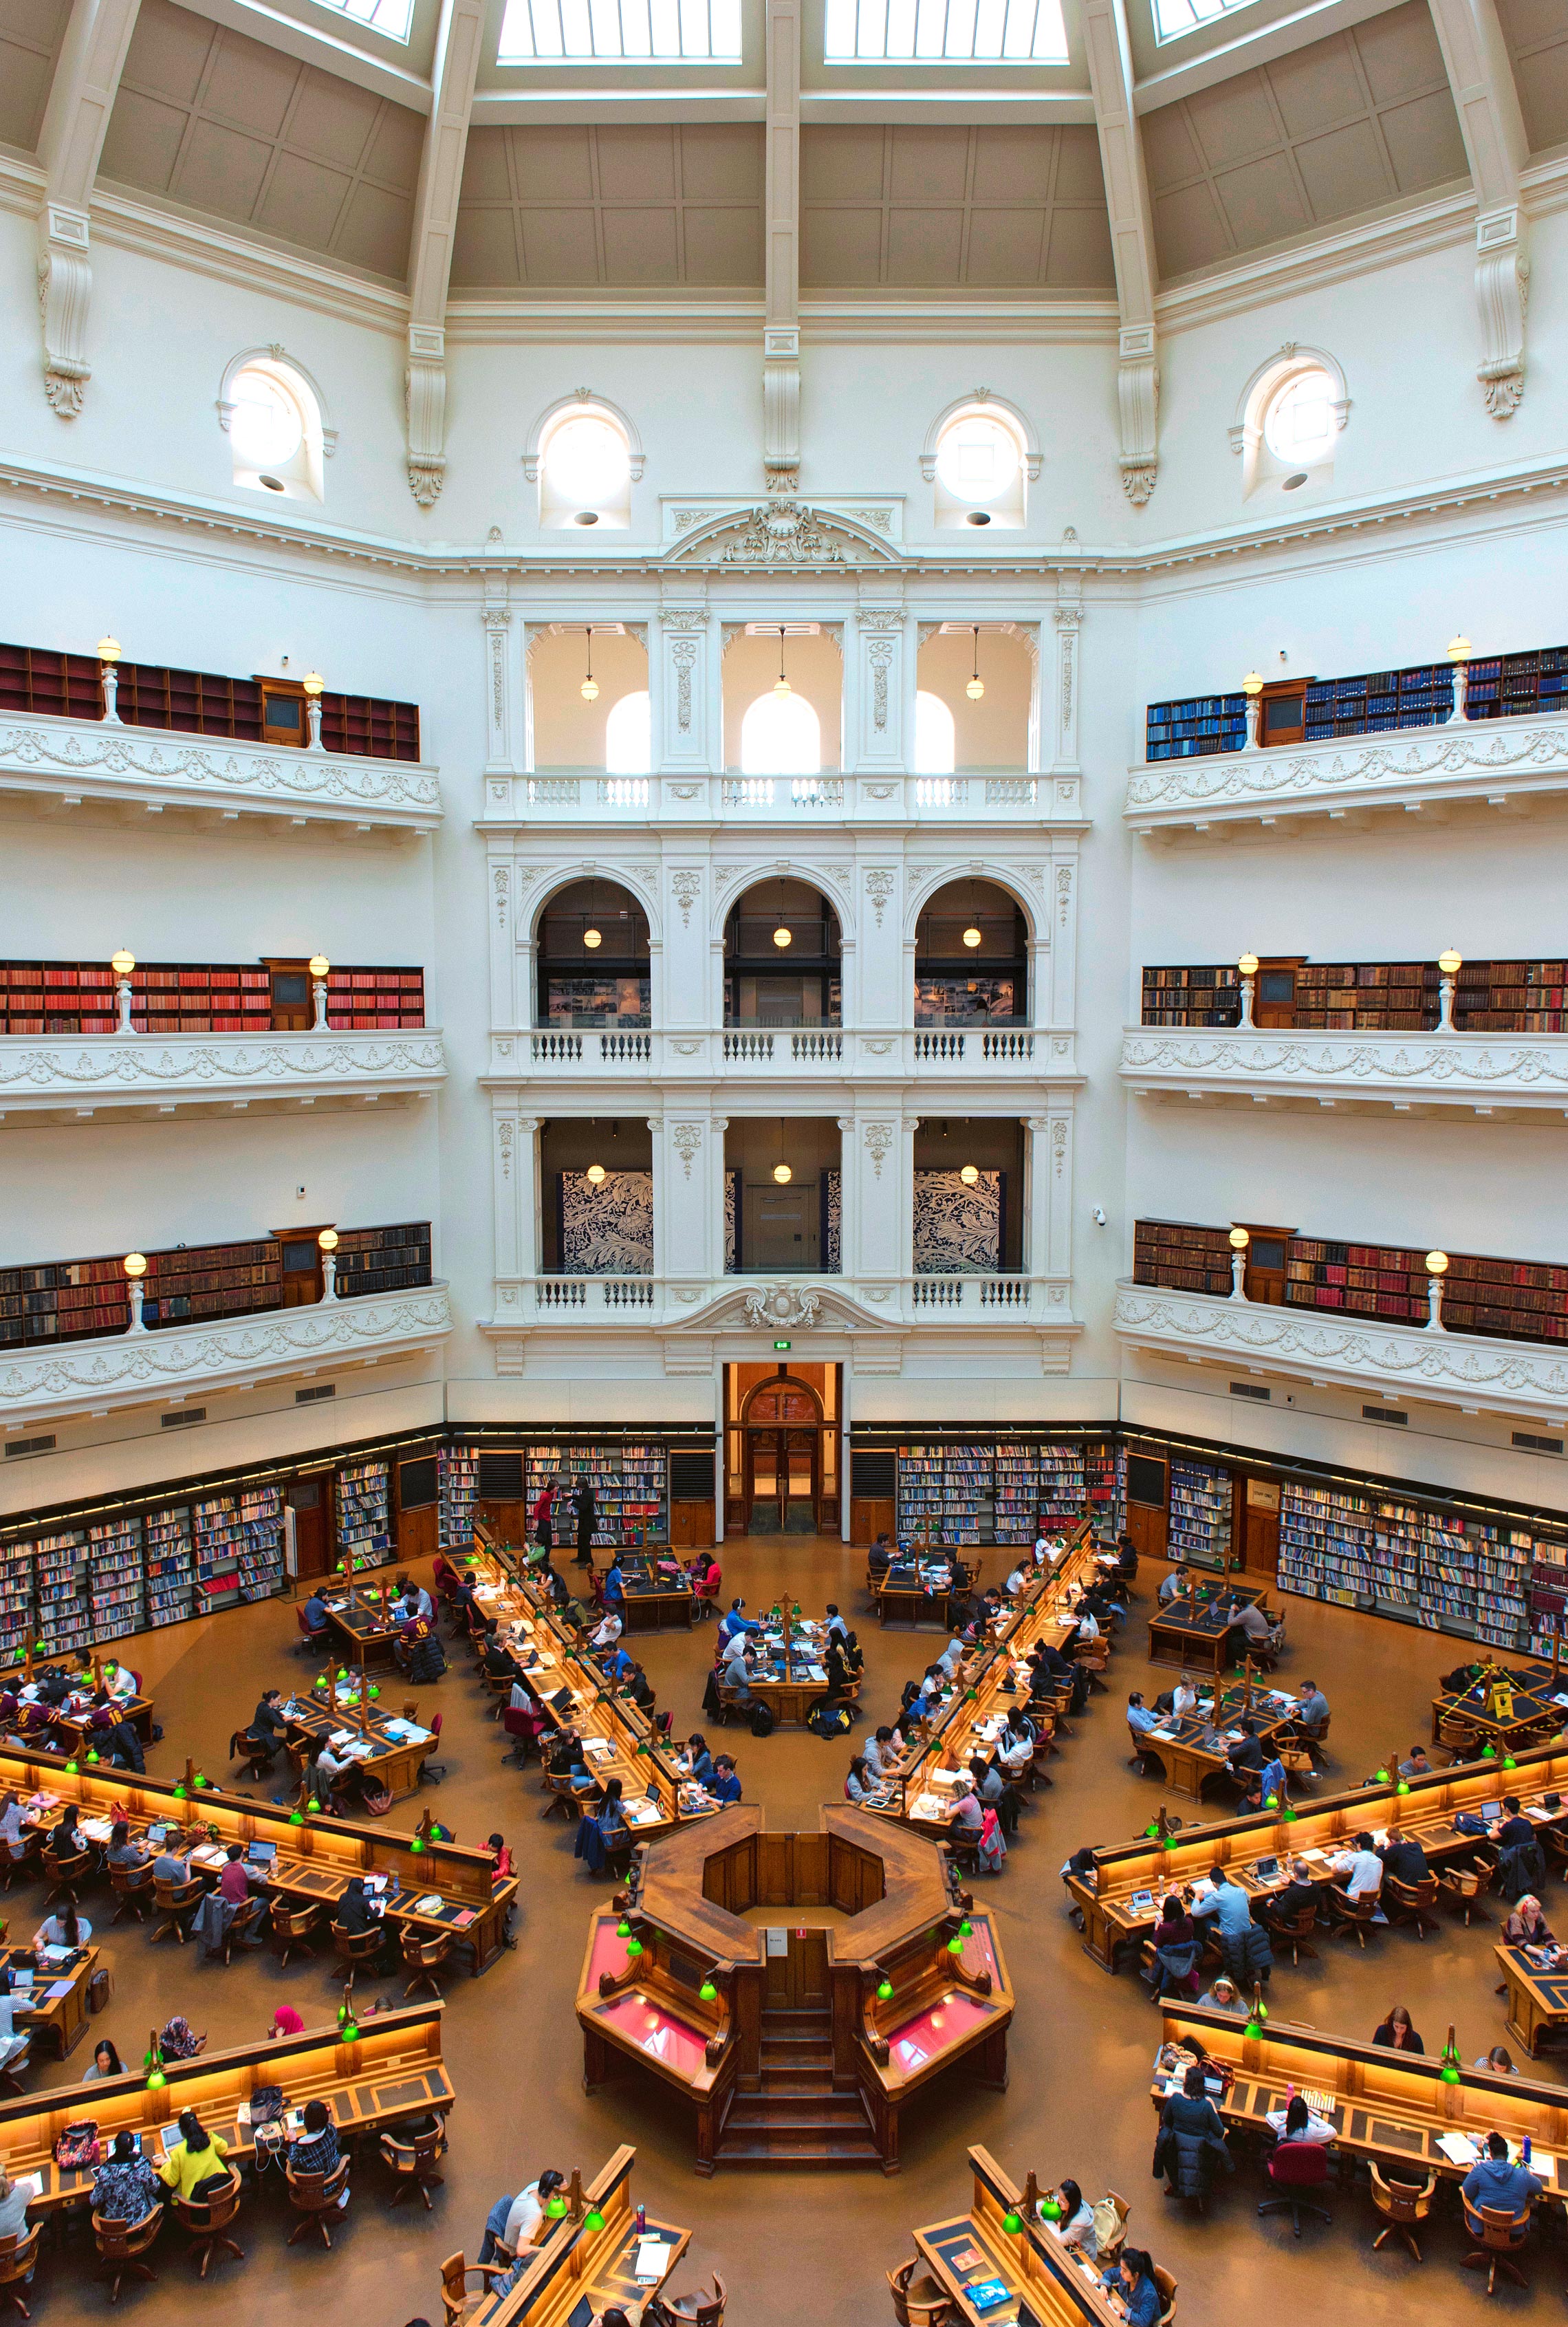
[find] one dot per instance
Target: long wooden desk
(1047, 2282)
(1178, 1747)
(1393, 2107)
(60, 2010)
(1540, 1706)
(84, 1667)
(392, 2070)
(577, 2272)
(790, 1676)
(1537, 1995)
(619, 1739)
(656, 1599)
(1192, 1632)
(393, 1759)
(362, 1621)
(314, 1857)
(921, 1601)
(1424, 1812)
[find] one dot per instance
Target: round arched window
(267, 424)
(780, 735)
(1298, 424)
(586, 461)
(629, 736)
(935, 739)
(977, 459)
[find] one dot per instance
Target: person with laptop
(1291, 1902)
(1508, 2188)
(1404, 1858)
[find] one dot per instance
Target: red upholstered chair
(1296, 2166)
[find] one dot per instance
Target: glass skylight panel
(944, 31)
(619, 31)
(390, 16)
(1173, 16)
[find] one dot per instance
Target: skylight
(619, 32)
(390, 16)
(945, 32)
(1173, 16)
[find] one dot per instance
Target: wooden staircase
(798, 2119)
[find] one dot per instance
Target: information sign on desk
(1507, 1706)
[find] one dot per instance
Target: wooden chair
(208, 2222)
(257, 1754)
(424, 1958)
(133, 1886)
(455, 2273)
(17, 2258)
(243, 1921)
(1112, 2246)
(293, 1928)
(24, 1858)
(1464, 1887)
(1495, 2247)
(1166, 2286)
(314, 2197)
(701, 2310)
(122, 2245)
(1411, 1903)
(1402, 2204)
(563, 1795)
(414, 2163)
(917, 2302)
(68, 1873)
(1292, 1933)
(1347, 1914)
(353, 1948)
(12, 2073)
(176, 1901)
(1462, 1741)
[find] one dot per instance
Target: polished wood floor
(804, 2250)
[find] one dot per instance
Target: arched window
(586, 465)
(1298, 423)
(1288, 422)
(780, 735)
(980, 455)
(783, 954)
(936, 738)
(592, 955)
(629, 736)
(971, 957)
(276, 435)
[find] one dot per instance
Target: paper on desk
(1458, 2148)
(927, 1806)
(32, 2182)
(1166, 1733)
(650, 2261)
(59, 1990)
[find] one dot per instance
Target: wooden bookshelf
(41, 683)
(1196, 727)
(1367, 997)
(1513, 686)
(1182, 1256)
(168, 997)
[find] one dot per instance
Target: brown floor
(805, 2248)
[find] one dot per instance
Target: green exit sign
(781, 1345)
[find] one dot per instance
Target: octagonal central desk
(794, 2044)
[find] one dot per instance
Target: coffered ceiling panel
(1536, 32)
(31, 31)
(627, 207)
(1322, 134)
(950, 209)
(223, 124)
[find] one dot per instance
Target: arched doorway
(782, 1439)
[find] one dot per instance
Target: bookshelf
(1420, 1563)
(1198, 1529)
(79, 997)
(1366, 1280)
(1327, 1544)
(951, 1494)
(1515, 1300)
(999, 1493)
(1181, 1255)
(1515, 686)
(364, 1515)
(382, 1260)
(457, 1489)
(1195, 727)
(222, 1280)
(16, 1634)
(237, 1546)
(1377, 702)
(1505, 1559)
(1370, 997)
(629, 1484)
(40, 684)
(167, 1554)
(261, 1542)
(63, 1609)
(1199, 994)
(116, 1578)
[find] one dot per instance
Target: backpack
(266, 2104)
(829, 1720)
(762, 1721)
(78, 2144)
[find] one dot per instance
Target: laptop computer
(1265, 1869)
(261, 1854)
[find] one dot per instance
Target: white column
(684, 692)
(501, 889)
(514, 1139)
(1485, 98)
(687, 950)
(458, 41)
(1109, 48)
(1060, 975)
(686, 1182)
(845, 1372)
(875, 648)
(881, 996)
(502, 690)
(781, 328)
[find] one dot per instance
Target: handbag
(78, 2144)
(266, 2105)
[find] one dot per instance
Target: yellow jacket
(183, 2168)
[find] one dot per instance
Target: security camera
(1098, 1217)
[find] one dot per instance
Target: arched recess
(592, 957)
(584, 404)
(972, 939)
(1246, 428)
(281, 357)
(783, 956)
(780, 735)
(995, 407)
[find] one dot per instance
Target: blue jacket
(1230, 1904)
(726, 1788)
(1495, 2183)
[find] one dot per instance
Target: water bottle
(641, 2221)
(1524, 2150)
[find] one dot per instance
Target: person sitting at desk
(1020, 1580)
(68, 1841)
(1246, 1616)
(726, 1786)
(1311, 1714)
(853, 1656)
(13, 2045)
(316, 2149)
(115, 1741)
(106, 2062)
(639, 1688)
(1418, 1765)
(126, 2186)
(1361, 1868)
(267, 1722)
(950, 1662)
(169, 1867)
(65, 1927)
(315, 1616)
(1226, 1904)
(1397, 2030)
(1512, 1828)
(1499, 2062)
(1126, 1559)
(617, 1666)
(858, 1784)
(1267, 1787)
(927, 1698)
(736, 1621)
(495, 1657)
(1298, 2124)
(1508, 2189)
(836, 1669)
(355, 1912)
(338, 1776)
(835, 1625)
(607, 1631)
(563, 1757)
(1526, 1927)
(1404, 1858)
(1174, 1966)
(1224, 1997)
(1015, 1746)
(1178, 1582)
(697, 1762)
(11, 1826)
(515, 2223)
(1191, 2138)
(1132, 2277)
(1140, 1720)
(1076, 2224)
(615, 1586)
(1246, 1754)
(967, 1810)
(420, 1652)
(194, 2167)
(597, 1831)
(234, 1882)
(119, 1681)
(1183, 1699)
(1285, 1905)
(422, 1604)
(883, 1752)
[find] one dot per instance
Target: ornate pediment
(781, 532)
(762, 1308)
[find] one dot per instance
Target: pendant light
(592, 940)
(590, 684)
(783, 936)
(780, 684)
(971, 937)
(977, 686)
(783, 1174)
(595, 1175)
(970, 1176)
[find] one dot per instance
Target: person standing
(543, 1511)
(587, 1520)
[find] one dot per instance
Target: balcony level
(801, 803)
(998, 1057)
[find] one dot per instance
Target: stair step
(828, 2114)
(775, 2155)
(816, 2081)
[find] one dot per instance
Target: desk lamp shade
(593, 2219)
(708, 1992)
(885, 1991)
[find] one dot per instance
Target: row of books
(457, 1487)
(1419, 1562)
(1197, 1527)
(364, 1500)
(999, 1493)
(629, 1482)
(237, 1543)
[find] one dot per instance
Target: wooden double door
(782, 1429)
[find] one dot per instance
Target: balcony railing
(947, 1055)
(572, 795)
(51, 1382)
(811, 1297)
(88, 1076)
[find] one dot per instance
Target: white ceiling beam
(1110, 60)
(80, 100)
(781, 323)
(457, 55)
(1487, 103)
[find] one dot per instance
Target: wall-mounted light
(783, 936)
(135, 1268)
(780, 684)
(970, 1176)
(590, 687)
(596, 1175)
(592, 940)
(122, 964)
(108, 655)
(783, 1174)
(971, 936)
(319, 966)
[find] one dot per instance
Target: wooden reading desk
(1047, 2282)
(1537, 1995)
(1191, 1632)
(578, 2271)
(1183, 1750)
(658, 1595)
(60, 2010)
(1121, 1906)
(391, 2070)
(84, 1667)
(790, 1675)
(397, 1748)
(313, 1858)
(1392, 2107)
(1510, 1706)
(362, 1621)
(919, 1593)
